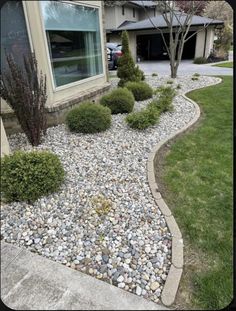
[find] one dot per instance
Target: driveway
(186, 67)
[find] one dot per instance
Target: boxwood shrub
(140, 90)
(143, 119)
(89, 118)
(200, 60)
(26, 176)
(121, 100)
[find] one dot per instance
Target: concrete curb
(173, 279)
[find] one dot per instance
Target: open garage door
(151, 47)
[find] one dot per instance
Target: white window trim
(83, 81)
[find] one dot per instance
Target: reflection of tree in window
(14, 36)
(73, 36)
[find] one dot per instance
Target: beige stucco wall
(5, 149)
(39, 44)
(114, 17)
(199, 52)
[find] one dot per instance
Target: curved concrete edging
(173, 279)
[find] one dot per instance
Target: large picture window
(73, 37)
(14, 35)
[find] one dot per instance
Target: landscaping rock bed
(104, 221)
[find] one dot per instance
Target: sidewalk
(32, 282)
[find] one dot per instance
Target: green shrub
(195, 78)
(26, 176)
(170, 82)
(154, 74)
(178, 86)
(164, 102)
(143, 119)
(127, 70)
(89, 118)
(196, 74)
(200, 60)
(140, 90)
(120, 100)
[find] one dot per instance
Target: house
(145, 41)
(68, 38)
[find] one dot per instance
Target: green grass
(198, 179)
(227, 65)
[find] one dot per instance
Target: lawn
(197, 177)
(227, 65)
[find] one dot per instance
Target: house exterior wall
(199, 49)
(69, 93)
(200, 42)
(5, 149)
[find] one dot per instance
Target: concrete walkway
(32, 282)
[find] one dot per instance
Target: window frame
(134, 13)
(82, 81)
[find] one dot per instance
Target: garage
(152, 47)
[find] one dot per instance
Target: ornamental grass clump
(25, 91)
(127, 70)
(26, 176)
(140, 90)
(121, 100)
(89, 118)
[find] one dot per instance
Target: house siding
(68, 93)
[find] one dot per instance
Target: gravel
(129, 245)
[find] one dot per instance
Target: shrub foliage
(127, 70)
(26, 176)
(89, 118)
(140, 90)
(143, 119)
(26, 93)
(200, 60)
(121, 100)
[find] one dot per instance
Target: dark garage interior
(151, 47)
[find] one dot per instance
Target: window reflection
(74, 43)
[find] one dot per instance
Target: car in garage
(114, 51)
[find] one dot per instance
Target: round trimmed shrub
(120, 100)
(89, 118)
(140, 90)
(26, 176)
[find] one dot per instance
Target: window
(74, 42)
(154, 12)
(14, 35)
(133, 12)
(123, 10)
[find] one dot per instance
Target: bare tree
(178, 17)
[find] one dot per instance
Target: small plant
(127, 70)
(200, 60)
(164, 102)
(101, 205)
(154, 74)
(89, 118)
(195, 78)
(196, 74)
(178, 87)
(143, 119)
(170, 82)
(140, 90)
(120, 100)
(26, 176)
(25, 91)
